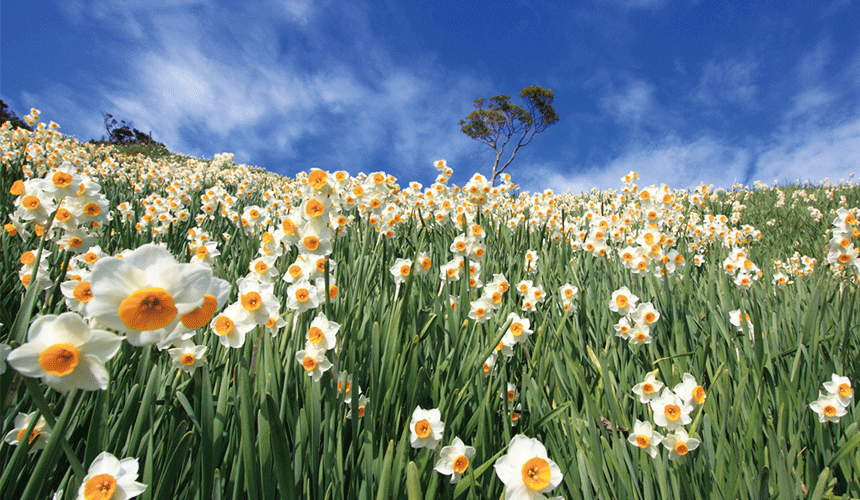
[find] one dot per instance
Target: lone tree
(501, 120)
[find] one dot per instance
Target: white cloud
(832, 152)
(246, 91)
(731, 80)
(632, 104)
(671, 161)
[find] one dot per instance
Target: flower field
(193, 329)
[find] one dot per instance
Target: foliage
(123, 133)
(7, 115)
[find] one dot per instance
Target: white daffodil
(362, 406)
(65, 353)
(146, 293)
(519, 327)
(302, 296)
(109, 478)
(454, 459)
(258, 300)
(480, 310)
(314, 361)
(426, 428)
(644, 436)
(670, 411)
(231, 325)
(828, 408)
(841, 387)
(400, 270)
(526, 470)
(622, 301)
(689, 390)
(645, 313)
(322, 333)
(38, 436)
(187, 356)
(649, 388)
(679, 443)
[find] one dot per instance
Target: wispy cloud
(632, 104)
(823, 152)
(261, 96)
(728, 81)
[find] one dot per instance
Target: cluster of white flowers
(833, 404)
(321, 337)
(636, 321)
(796, 265)
(526, 470)
(739, 266)
(842, 252)
(671, 410)
(568, 294)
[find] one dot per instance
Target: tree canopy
(7, 115)
(501, 120)
(124, 133)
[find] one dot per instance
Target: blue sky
(681, 91)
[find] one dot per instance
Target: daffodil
(736, 318)
(644, 436)
(828, 407)
(314, 361)
(363, 401)
(187, 356)
(38, 437)
(622, 301)
(519, 327)
(840, 387)
(77, 293)
(622, 328)
(480, 310)
(258, 299)
(400, 270)
(649, 388)
(111, 479)
(302, 296)
(640, 333)
(689, 390)
(489, 364)
(231, 325)
(426, 428)
(213, 300)
(322, 333)
(645, 313)
(670, 411)
(65, 353)
(679, 443)
(454, 459)
(146, 293)
(526, 470)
